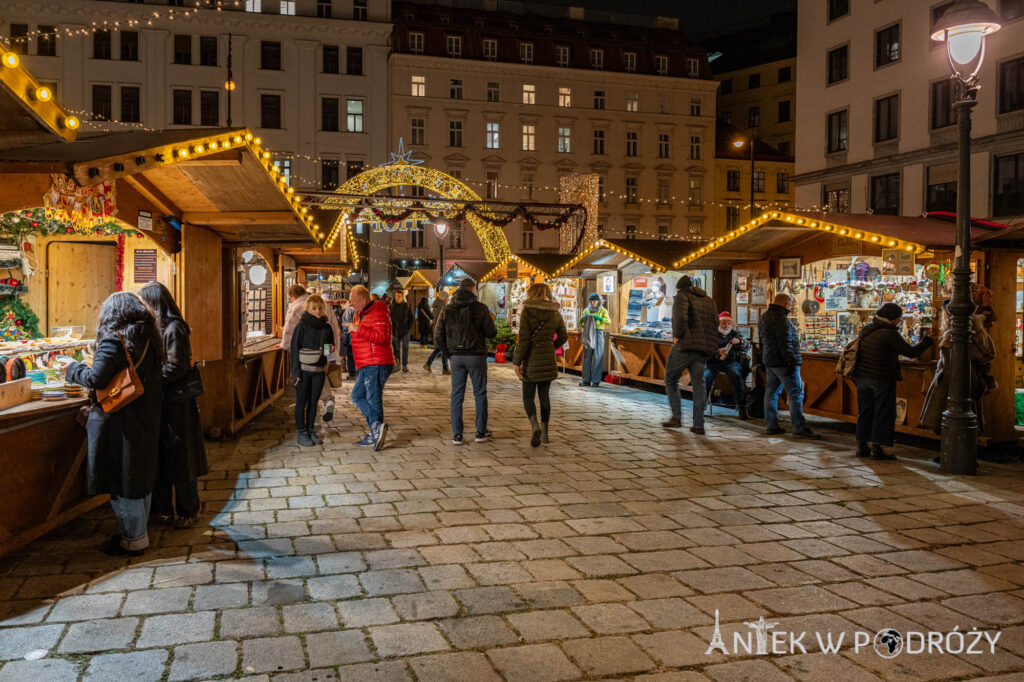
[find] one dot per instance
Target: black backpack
(462, 332)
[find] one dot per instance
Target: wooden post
(999, 411)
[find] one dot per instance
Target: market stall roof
(1011, 238)
(29, 113)
(774, 231)
(611, 254)
(416, 278)
(544, 264)
(219, 178)
(475, 270)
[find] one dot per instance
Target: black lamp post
(229, 84)
(441, 229)
(750, 143)
(963, 28)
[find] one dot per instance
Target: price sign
(144, 266)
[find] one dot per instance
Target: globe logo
(888, 643)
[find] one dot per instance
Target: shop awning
(475, 270)
(29, 112)
(1010, 239)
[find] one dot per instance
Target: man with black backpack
(461, 333)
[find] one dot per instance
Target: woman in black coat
(122, 447)
(311, 343)
(182, 456)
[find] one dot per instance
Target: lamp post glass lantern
(441, 229)
(963, 27)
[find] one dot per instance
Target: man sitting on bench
(732, 351)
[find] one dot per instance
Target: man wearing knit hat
(732, 348)
(876, 373)
(695, 336)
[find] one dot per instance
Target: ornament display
(17, 320)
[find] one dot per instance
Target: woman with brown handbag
(182, 456)
(123, 434)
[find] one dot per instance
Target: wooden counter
(642, 359)
(572, 354)
(238, 389)
(43, 460)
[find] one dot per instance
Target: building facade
(761, 98)
(770, 172)
(874, 112)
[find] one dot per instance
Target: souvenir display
(566, 292)
(647, 301)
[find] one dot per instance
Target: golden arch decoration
(401, 172)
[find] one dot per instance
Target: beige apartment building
(509, 104)
(874, 111)
(761, 98)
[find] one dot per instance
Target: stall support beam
(959, 453)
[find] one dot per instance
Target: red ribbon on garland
(119, 264)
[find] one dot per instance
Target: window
(732, 181)
(101, 44)
(419, 86)
(354, 112)
(887, 118)
(631, 189)
(941, 196)
(529, 137)
(526, 53)
(453, 46)
(838, 64)
(19, 38)
(329, 174)
(661, 66)
(529, 94)
(490, 49)
(725, 116)
(182, 49)
(46, 42)
(600, 189)
(837, 125)
(418, 131)
(597, 59)
(664, 146)
(565, 97)
(885, 194)
(726, 87)
(331, 59)
(783, 147)
(664, 189)
(887, 45)
(837, 200)
(455, 238)
(941, 105)
(129, 46)
(732, 217)
(455, 88)
(526, 237)
(753, 117)
(758, 179)
(599, 142)
(182, 107)
(270, 55)
(454, 133)
(208, 50)
(253, 6)
(663, 230)
(785, 111)
(785, 74)
(632, 102)
(330, 114)
(353, 168)
(838, 8)
(1011, 85)
(692, 67)
(209, 108)
(782, 183)
(599, 99)
(130, 104)
(632, 140)
(629, 62)
(1008, 196)
(695, 144)
(416, 235)
(527, 182)
(270, 111)
(695, 106)
(359, 10)
(630, 231)
(415, 43)
(564, 140)
(753, 81)
(287, 7)
(491, 185)
(493, 135)
(696, 190)
(354, 61)
(324, 11)
(562, 55)
(664, 103)
(493, 92)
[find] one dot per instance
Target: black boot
(535, 428)
(741, 411)
(863, 450)
(879, 454)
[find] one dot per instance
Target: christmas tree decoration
(17, 321)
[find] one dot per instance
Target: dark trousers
(186, 498)
(444, 358)
(368, 393)
(350, 358)
(734, 371)
(876, 410)
(541, 388)
(473, 367)
(307, 393)
(401, 343)
(425, 335)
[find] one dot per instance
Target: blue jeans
(403, 342)
(475, 368)
(368, 393)
(444, 359)
(679, 360)
(876, 410)
(132, 516)
(779, 378)
(734, 371)
(593, 360)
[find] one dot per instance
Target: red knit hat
(724, 315)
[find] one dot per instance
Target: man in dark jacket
(424, 320)
(401, 326)
(876, 373)
(780, 355)
(695, 341)
(440, 301)
(461, 333)
(732, 349)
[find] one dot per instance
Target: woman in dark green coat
(541, 331)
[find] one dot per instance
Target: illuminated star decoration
(402, 156)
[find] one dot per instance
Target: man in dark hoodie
(695, 341)
(780, 355)
(461, 333)
(401, 326)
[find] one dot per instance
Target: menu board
(144, 266)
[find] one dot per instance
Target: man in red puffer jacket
(371, 347)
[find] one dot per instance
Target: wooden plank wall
(201, 299)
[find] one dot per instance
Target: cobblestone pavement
(604, 555)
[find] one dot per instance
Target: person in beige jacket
(297, 296)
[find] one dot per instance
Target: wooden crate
(14, 393)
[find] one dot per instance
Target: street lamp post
(441, 229)
(749, 143)
(963, 28)
(229, 84)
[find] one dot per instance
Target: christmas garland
(12, 287)
(23, 223)
(17, 321)
(10, 264)
(417, 208)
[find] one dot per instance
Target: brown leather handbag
(125, 386)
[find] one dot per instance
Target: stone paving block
(272, 654)
(243, 570)
(138, 666)
(810, 667)
(537, 626)
(357, 613)
(290, 567)
(341, 586)
(407, 639)
(478, 632)
(608, 656)
(728, 579)
(957, 583)
(22, 612)
(460, 667)
(203, 661)
(483, 600)
(168, 600)
(450, 577)
(790, 600)
(678, 648)
(131, 579)
(43, 670)
(663, 561)
(499, 573)
(99, 635)
(425, 605)
(606, 619)
(549, 594)
(746, 670)
(337, 648)
(278, 592)
(86, 607)
(16, 642)
(533, 663)
(179, 628)
(340, 562)
(671, 613)
(181, 575)
(401, 581)
(655, 586)
(1000, 609)
(599, 566)
(217, 597)
(394, 558)
(602, 590)
(384, 671)
(309, 617)
(254, 622)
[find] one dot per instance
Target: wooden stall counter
(642, 359)
(238, 389)
(572, 354)
(43, 460)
